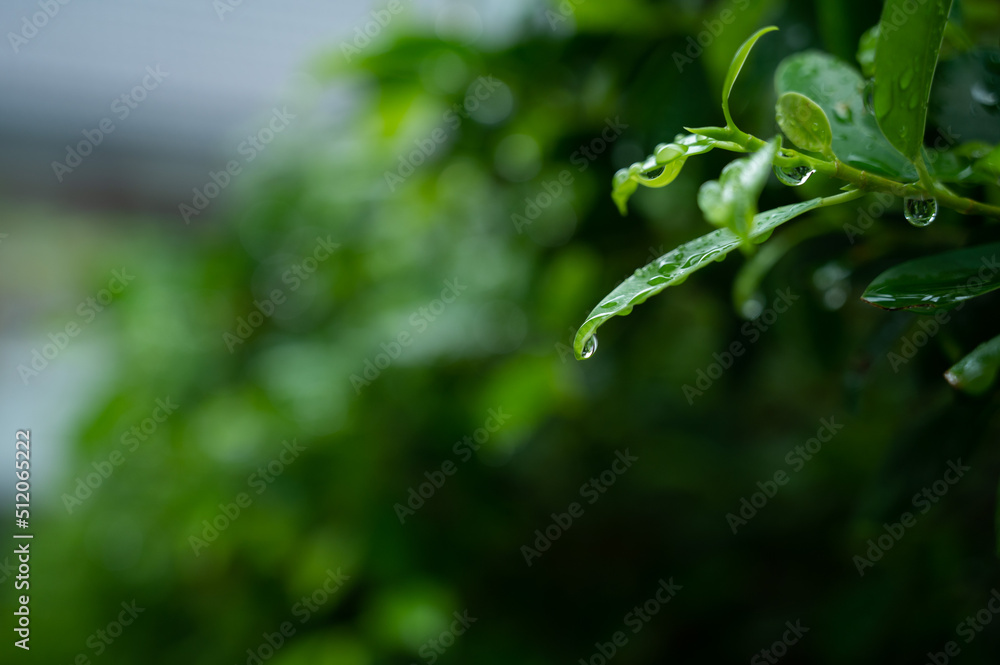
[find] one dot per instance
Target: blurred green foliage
(504, 343)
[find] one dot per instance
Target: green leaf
(866, 51)
(976, 372)
(659, 169)
(804, 122)
(717, 133)
(910, 35)
(937, 282)
(734, 70)
(838, 88)
(674, 267)
(731, 201)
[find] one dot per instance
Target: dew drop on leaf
(906, 79)
(795, 176)
(869, 96)
(668, 153)
(920, 212)
(589, 347)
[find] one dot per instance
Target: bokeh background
(397, 142)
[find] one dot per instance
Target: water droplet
(657, 280)
(610, 305)
(589, 347)
(982, 95)
(906, 79)
(668, 153)
(752, 306)
(667, 267)
(920, 212)
(869, 95)
(794, 176)
(621, 176)
(842, 112)
(635, 169)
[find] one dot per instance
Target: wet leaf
(838, 89)
(976, 372)
(866, 51)
(731, 201)
(937, 282)
(736, 65)
(675, 266)
(910, 35)
(659, 169)
(803, 122)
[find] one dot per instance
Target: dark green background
(504, 343)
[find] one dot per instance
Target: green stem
(927, 187)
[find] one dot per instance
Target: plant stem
(869, 182)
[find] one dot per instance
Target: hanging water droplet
(920, 212)
(794, 176)
(589, 347)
